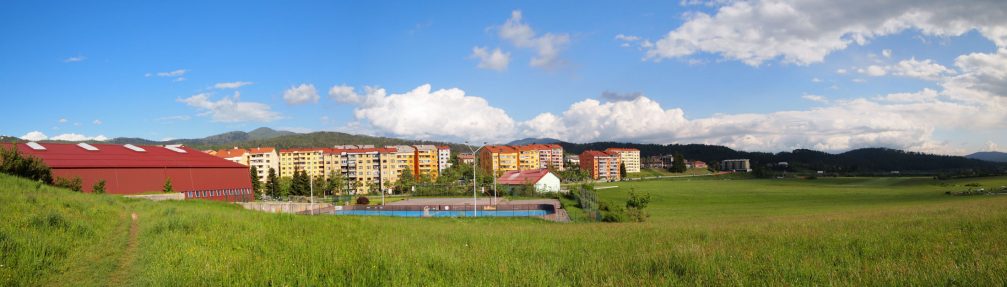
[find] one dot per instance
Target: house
(466, 158)
(541, 179)
(736, 165)
(697, 164)
(129, 169)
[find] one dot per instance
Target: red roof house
(542, 179)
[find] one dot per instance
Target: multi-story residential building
(402, 159)
(736, 165)
(310, 160)
(443, 158)
(601, 165)
(353, 146)
(466, 158)
(426, 163)
(264, 159)
(498, 159)
(362, 169)
(551, 156)
(236, 155)
(630, 157)
(573, 159)
(528, 157)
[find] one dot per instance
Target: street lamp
(474, 160)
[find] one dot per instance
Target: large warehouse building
(129, 169)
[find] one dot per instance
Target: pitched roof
(258, 150)
(621, 149)
(312, 149)
(63, 155)
(500, 149)
(522, 176)
(596, 153)
(228, 153)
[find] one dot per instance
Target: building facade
(498, 159)
(235, 155)
(630, 157)
(601, 165)
(736, 165)
(310, 160)
(263, 159)
(129, 169)
(443, 158)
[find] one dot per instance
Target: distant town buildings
(236, 155)
(736, 165)
(601, 165)
(466, 158)
(443, 158)
(263, 159)
(630, 157)
(697, 164)
(498, 159)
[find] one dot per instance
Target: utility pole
(475, 159)
(311, 187)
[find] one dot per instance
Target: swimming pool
(444, 213)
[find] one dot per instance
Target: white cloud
(78, 138)
(805, 32)
(925, 70)
(74, 59)
(230, 110)
(34, 136)
(816, 80)
(841, 71)
(493, 60)
(992, 146)
(423, 113)
(887, 53)
(97, 122)
(815, 98)
(305, 93)
(175, 73)
(174, 118)
(344, 94)
(62, 120)
(521, 35)
(231, 85)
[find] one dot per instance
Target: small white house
(542, 179)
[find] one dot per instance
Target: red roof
(443, 147)
(595, 153)
(500, 149)
(522, 176)
(313, 149)
(62, 155)
(226, 153)
(258, 150)
(621, 149)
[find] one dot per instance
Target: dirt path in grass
(118, 278)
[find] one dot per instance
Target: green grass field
(653, 172)
(848, 231)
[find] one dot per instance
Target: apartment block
(310, 160)
(443, 158)
(601, 165)
(236, 155)
(426, 161)
(550, 156)
(528, 157)
(361, 168)
(498, 159)
(263, 159)
(736, 165)
(629, 157)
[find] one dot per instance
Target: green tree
(406, 180)
(622, 170)
(73, 184)
(318, 186)
(14, 163)
(256, 184)
(335, 184)
(678, 164)
(167, 185)
(272, 184)
(358, 185)
(99, 187)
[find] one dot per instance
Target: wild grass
(860, 231)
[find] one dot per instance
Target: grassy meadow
(847, 231)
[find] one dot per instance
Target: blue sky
(765, 76)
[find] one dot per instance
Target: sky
(927, 76)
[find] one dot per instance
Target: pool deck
(559, 216)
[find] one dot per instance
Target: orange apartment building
(601, 165)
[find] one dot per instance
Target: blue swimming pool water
(452, 213)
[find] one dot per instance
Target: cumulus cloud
(344, 94)
(78, 137)
(305, 93)
(231, 85)
(925, 70)
(230, 110)
(493, 60)
(887, 53)
(176, 74)
(425, 113)
(62, 120)
(615, 97)
(521, 35)
(815, 98)
(34, 136)
(805, 32)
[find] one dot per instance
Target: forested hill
(266, 137)
(866, 160)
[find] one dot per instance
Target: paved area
(446, 201)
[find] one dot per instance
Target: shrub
(167, 185)
(99, 187)
(14, 163)
(74, 184)
(363, 200)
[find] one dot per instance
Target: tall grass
(741, 232)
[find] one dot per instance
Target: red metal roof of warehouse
(63, 155)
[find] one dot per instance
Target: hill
(528, 141)
(994, 156)
(263, 137)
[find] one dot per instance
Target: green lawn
(653, 172)
(848, 231)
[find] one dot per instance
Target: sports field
(848, 231)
